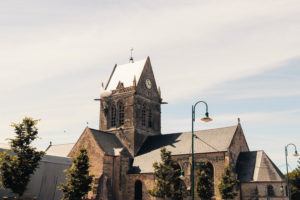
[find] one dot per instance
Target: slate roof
(108, 142)
(206, 141)
(125, 73)
(256, 166)
(61, 150)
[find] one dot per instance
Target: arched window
(270, 190)
(178, 183)
(113, 116)
(210, 169)
(121, 113)
(138, 190)
(144, 115)
(149, 118)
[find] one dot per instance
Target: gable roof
(108, 142)
(256, 166)
(61, 150)
(125, 74)
(206, 141)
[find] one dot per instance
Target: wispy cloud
(214, 42)
(55, 54)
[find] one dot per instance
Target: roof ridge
(214, 128)
(194, 131)
(101, 131)
(63, 144)
(144, 60)
(200, 130)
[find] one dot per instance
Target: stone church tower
(131, 104)
(129, 140)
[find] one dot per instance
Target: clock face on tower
(148, 83)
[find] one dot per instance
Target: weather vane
(131, 58)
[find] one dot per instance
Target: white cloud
(208, 42)
(193, 47)
(266, 93)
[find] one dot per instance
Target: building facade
(129, 140)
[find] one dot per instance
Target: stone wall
(238, 144)
(132, 133)
(147, 184)
(249, 191)
(94, 152)
(216, 159)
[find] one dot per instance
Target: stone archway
(138, 190)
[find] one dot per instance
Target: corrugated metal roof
(43, 183)
(256, 166)
(125, 73)
(60, 150)
(206, 141)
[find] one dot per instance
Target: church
(129, 140)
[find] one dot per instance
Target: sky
(241, 57)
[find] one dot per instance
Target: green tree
(79, 182)
(294, 178)
(204, 183)
(17, 167)
(167, 173)
(226, 187)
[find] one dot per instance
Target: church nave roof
(206, 141)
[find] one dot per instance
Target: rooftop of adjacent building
(61, 150)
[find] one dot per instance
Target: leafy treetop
(78, 178)
(16, 168)
(226, 187)
(167, 173)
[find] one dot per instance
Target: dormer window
(121, 113)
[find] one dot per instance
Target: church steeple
(132, 110)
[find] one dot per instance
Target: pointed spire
(239, 120)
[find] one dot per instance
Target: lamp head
(281, 187)
(296, 153)
(206, 118)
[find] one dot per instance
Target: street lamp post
(287, 169)
(205, 119)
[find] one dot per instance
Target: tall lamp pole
(287, 169)
(205, 119)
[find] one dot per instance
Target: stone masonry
(129, 140)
